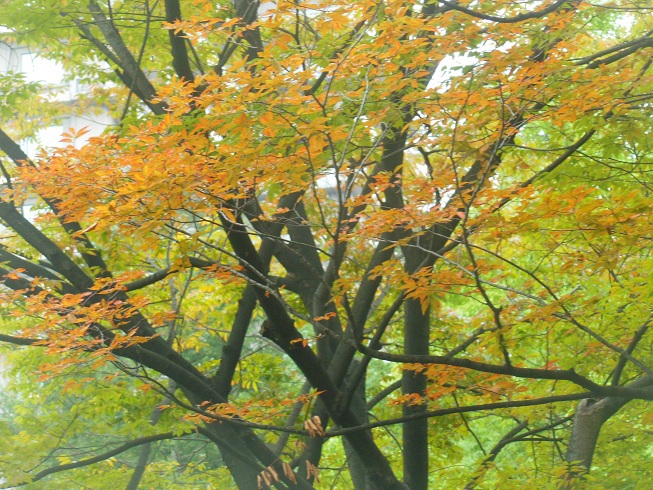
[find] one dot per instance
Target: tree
(419, 228)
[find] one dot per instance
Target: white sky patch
(39, 69)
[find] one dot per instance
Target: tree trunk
(355, 463)
(415, 432)
(590, 416)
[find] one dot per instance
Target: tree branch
(463, 409)
(494, 452)
(142, 86)
(96, 459)
(180, 60)
(528, 373)
(506, 20)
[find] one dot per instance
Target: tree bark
(590, 416)
(354, 461)
(415, 432)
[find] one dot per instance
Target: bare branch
(506, 20)
(96, 459)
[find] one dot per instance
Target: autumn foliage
(329, 244)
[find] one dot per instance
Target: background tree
(419, 228)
